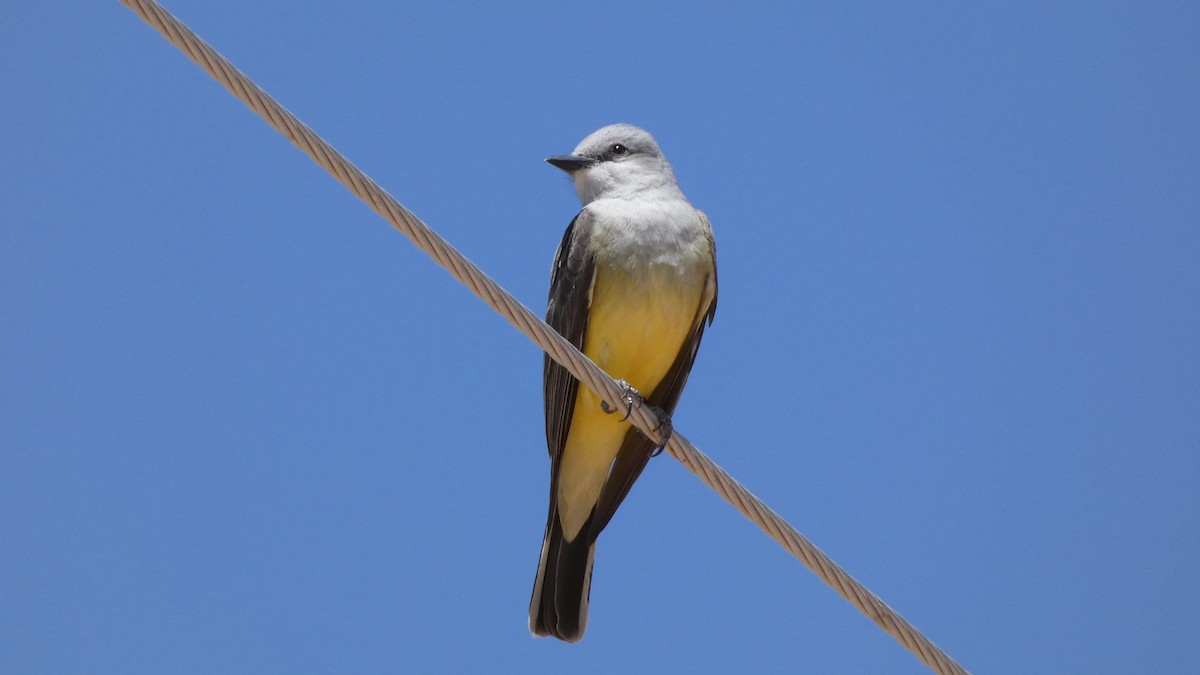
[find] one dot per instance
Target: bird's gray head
(617, 161)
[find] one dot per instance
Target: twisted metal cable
(537, 330)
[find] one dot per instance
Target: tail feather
(559, 606)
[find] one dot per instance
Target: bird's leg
(664, 427)
(628, 394)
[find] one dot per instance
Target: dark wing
(558, 606)
(567, 313)
(636, 448)
(712, 246)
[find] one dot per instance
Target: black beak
(571, 163)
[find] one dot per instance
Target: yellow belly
(637, 326)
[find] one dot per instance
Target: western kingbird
(633, 284)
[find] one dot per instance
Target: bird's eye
(618, 150)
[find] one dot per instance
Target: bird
(633, 286)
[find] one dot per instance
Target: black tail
(559, 606)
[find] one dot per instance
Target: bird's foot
(664, 428)
(628, 394)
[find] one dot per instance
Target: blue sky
(245, 427)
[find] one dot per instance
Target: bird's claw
(665, 428)
(628, 394)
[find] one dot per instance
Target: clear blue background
(245, 427)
